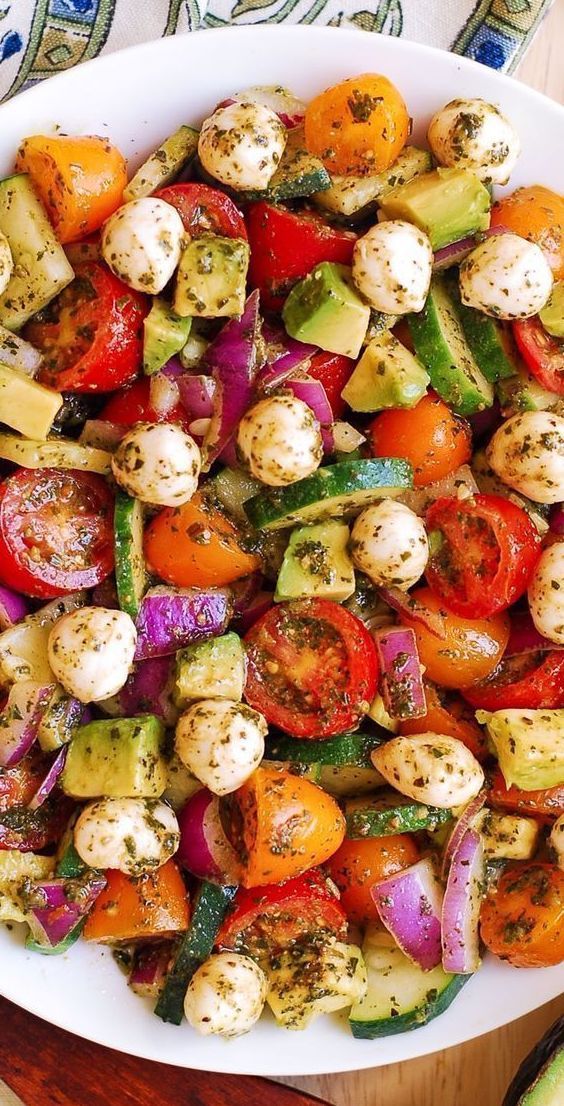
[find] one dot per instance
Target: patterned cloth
(41, 37)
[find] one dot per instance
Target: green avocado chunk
(325, 309)
(117, 758)
(213, 669)
(211, 277)
(387, 375)
(316, 562)
(529, 745)
(164, 334)
(448, 204)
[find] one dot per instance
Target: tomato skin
(470, 650)
(286, 246)
(23, 829)
(281, 825)
(19, 783)
(435, 441)
(91, 334)
(548, 804)
(204, 210)
(133, 404)
(535, 213)
(358, 865)
(132, 908)
(357, 126)
(487, 555)
(196, 546)
(333, 370)
(451, 717)
(542, 354)
(522, 920)
(279, 915)
(541, 685)
(46, 517)
(330, 658)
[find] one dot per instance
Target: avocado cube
(316, 562)
(326, 310)
(529, 745)
(387, 375)
(447, 204)
(164, 334)
(117, 758)
(213, 669)
(211, 277)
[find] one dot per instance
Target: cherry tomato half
(195, 545)
(358, 865)
(312, 668)
(542, 354)
(547, 804)
(524, 682)
(333, 370)
(522, 919)
(448, 714)
(133, 404)
(435, 441)
(357, 126)
(536, 213)
(56, 531)
(486, 551)
(204, 210)
(91, 334)
(23, 829)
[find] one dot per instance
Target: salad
(282, 558)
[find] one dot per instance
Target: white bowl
(137, 97)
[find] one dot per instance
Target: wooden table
(477, 1073)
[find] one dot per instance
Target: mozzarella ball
(6, 263)
(142, 242)
(389, 544)
(506, 277)
(546, 593)
(392, 265)
(472, 134)
(226, 995)
(133, 835)
(241, 145)
(158, 463)
(556, 841)
(221, 743)
(91, 652)
(527, 452)
(430, 768)
(279, 440)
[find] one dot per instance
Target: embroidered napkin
(41, 37)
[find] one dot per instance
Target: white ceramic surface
(137, 97)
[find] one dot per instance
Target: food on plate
(281, 559)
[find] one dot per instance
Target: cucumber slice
(391, 813)
(41, 268)
(210, 908)
(490, 341)
(59, 453)
(131, 578)
(440, 344)
(352, 749)
(352, 199)
(299, 174)
(25, 405)
(400, 995)
(164, 164)
(332, 491)
(232, 487)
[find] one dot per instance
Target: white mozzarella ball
(389, 544)
(392, 265)
(221, 743)
(279, 440)
(546, 593)
(142, 242)
(527, 452)
(430, 768)
(226, 995)
(91, 652)
(158, 463)
(241, 145)
(133, 835)
(473, 134)
(6, 263)
(556, 841)
(506, 277)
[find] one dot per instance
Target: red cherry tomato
(56, 531)
(91, 335)
(133, 404)
(204, 210)
(312, 668)
(487, 548)
(547, 804)
(333, 370)
(525, 682)
(21, 828)
(542, 354)
(286, 246)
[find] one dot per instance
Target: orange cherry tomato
(79, 179)
(429, 435)
(358, 865)
(358, 126)
(152, 905)
(448, 714)
(281, 825)
(470, 649)
(196, 546)
(522, 920)
(535, 213)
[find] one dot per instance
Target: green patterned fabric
(41, 37)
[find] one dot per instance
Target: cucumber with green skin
(490, 342)
(342, 749)
(162, 166)
(332, 491)
(391, 813)
(298, 175)
(131, 577)
(350, 199)
(210, 908)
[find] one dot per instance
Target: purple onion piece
(525, 638)
(57, 906)
(13, 607)
(150, 966)
(148, 690)
(228, 455)
(312, 393)
(204, 849)
(196, 395)
(284, 357)
(19, 721)
(244, 591)
(461, 826)
(170, 618)
(556, 518)
(173, 369)
(461, 906)
(409, 905)
(485, 422)
(401, 685)
(50, 781)
(258, 606)
(455, 252)
(403, 603)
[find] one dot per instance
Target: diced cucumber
(69, 865)
(334, 490)
(379, 714)
(352, 198)
(211, 277)
(552, 314)
(316, 562)
(232, 487)
(440, 344)
(164, 334)
(522, 392)
(299, 174)
(306, 982)
(387, 375)
(117, 758)
(448, 204)
(400, 995)
(490, 342)
(25, 405)
(131, 577)
(213, 669)
(210, 907)
(164, 164)
(58, 453)
(41, 268)
(342, 749)
(18, 354)
(391, 813)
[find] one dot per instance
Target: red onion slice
(170, 618)
(525, 638)
(284, 357)
(19, 721)
(164, 394)
(288, 107)
(204, 849)
(556, 518)
(409, 904)
(313, 394)
(13, 607)
(148, 689)
(461, 826)
(455, 252)
(57, 906)
(404, 603)
(196, 395)
(259, 605)
(461, 906)
(401, 685)
(50, 781)
(150, 967)
(100, 434)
